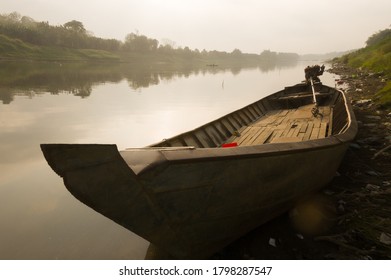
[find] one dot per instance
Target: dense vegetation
(70, 35)
(376, 57)
(22, 37)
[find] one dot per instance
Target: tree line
(69, 35)
(73, 35)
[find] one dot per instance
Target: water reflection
(32, 78)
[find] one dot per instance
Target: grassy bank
(15, 49)
(376, 58)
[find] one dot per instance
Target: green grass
(16, 49)
(375, 58)
(384, 95)
(11, 47)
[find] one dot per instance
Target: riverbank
(12, 49)
(350, 218)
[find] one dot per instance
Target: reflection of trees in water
(140, 78)
(21, 78)
(6, 95)
(270, 65)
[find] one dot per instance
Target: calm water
(121, 104)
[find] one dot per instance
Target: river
(128, 105)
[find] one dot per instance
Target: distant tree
(167, 49)
(76, 26)
(14, 16)
(236, 52)
(287, 56)
(268, 55)
(169, 42)
(140, 43)
(27, 21)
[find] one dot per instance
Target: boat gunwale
(192, 154)
(348, 109)
(188, 154)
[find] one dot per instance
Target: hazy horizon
(303, 27)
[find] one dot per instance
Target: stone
(300, 236)
(355, 146)
(386, 183)
(272, 242)
(371, 187)
(371, 173)
(385, 238)
(373, 117)
(363, 101)
(370, 124)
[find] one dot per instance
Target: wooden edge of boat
(72, 156)
(62, 157)
(66, 157)
(97, 175)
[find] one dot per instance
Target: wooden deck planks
(307, 134)
(323, 130)
(253, 134)
(289, 125)
(263, 137)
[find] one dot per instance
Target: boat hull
(192, 202)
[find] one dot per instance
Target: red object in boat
(230, 145)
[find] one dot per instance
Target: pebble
(341, 206)
(328, 192)
(363, 101)
(385, 238)
(386, 183)
(367, 257)
(372, 187)
(373, 117)
(341, 202)
(246, 256)
(300, 236)
(371, 173)
(272, 242)
(355, 146)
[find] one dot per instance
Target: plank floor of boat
(290, 125)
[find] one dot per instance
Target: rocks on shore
(365, 222)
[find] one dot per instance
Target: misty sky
(301, 26)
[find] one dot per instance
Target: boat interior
(290, 115)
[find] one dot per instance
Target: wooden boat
(194, 193)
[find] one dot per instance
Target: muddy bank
(351, 217)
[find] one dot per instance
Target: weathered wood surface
(282, 126)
